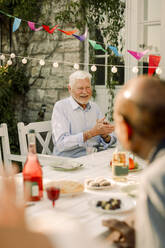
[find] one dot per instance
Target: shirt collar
(75, 105)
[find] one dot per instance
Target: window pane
(100, 73)
(152, 10)
(152, 37)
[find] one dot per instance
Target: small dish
(88, 184)
(127, 204)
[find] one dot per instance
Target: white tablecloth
(78, 207)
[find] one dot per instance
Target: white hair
(78, 75)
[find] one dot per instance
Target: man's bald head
(141, 103)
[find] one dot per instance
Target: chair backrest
(43, 132)
(4, 146)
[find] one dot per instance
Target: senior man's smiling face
(81, 91)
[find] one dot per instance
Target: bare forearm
(88, 135)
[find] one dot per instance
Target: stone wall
(48, 84)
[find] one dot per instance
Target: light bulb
(12, 55)
(76, 66)
(93, 68)
(2, 57)
(135, 69)
(114, 69)
(24, 61)
(158, 71)
(9, 62)
(42, 62)
(55, 64)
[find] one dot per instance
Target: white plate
(87, 186)
(98, 188)
(65, 165)
(131, 190)
(127, 204)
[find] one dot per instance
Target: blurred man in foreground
(140, 126)
(13, 227)
(77, 122)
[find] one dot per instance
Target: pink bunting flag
(32, 26)
(50, 31)
(138, 55)
(68, 32)
(153, 64)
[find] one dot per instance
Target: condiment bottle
(32, 172)
(119, 166)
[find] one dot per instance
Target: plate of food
(65, 165)
(99, 183)
(136, 167)
(133, 166)
(67, 187)
(113, 204)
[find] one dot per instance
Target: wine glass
(53, 194)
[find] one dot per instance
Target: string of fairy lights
(93, 67)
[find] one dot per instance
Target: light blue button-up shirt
(69, 121)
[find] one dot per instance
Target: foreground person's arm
(13, 228)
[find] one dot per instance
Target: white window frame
(135, 33)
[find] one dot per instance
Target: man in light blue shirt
(77, 122)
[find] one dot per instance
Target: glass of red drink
(53, 194)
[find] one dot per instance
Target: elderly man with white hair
(77, 122)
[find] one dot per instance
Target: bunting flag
(81, 37)
(153, 64)
(114, 49)
(50, 31)
(16, 24)
(96, 46)
(138, 55)
(32, 26)
(68, 32)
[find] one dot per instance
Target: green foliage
(24, 9)
(104, 20)
(13, 83)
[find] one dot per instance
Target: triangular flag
(114, 49)
(138, 55)
(81, 37)
(153, 64)
(32, 26)
(68, 32)
(16, 24)
(50, 31)
(96, 46)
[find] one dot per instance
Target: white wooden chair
(4, 146)
(43, 127)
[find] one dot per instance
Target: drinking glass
(53, 194)
(90, 149)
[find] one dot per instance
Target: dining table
(79, 206)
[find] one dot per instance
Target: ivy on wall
(24, 9)
(13, 84)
